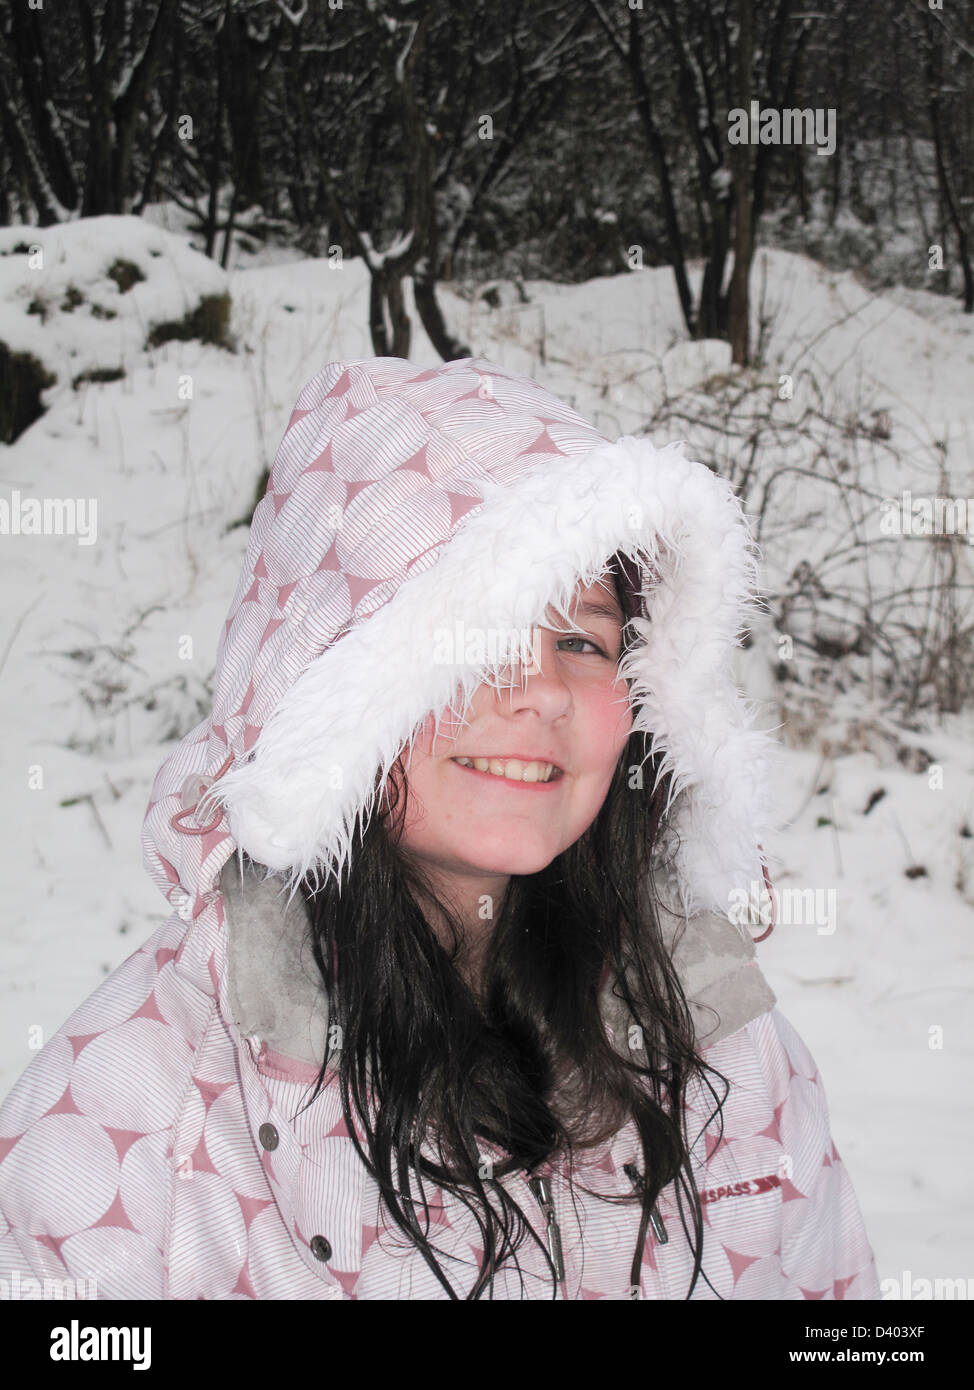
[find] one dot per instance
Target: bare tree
(41, 161)
(688, 65)
(120, 65)
(949, 72)
(739, 299)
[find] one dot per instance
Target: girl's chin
(498, 858)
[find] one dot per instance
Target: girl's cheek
(444, 739)
(611, 718)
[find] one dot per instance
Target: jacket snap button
(268, 1136)
(320, 1248)
(192, 789)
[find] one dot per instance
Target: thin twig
(17, 626)
(835, 838)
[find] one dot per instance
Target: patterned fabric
(160, 1149)
(158, 1185)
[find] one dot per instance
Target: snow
(379, 259)
(77, 256)
(107, 649)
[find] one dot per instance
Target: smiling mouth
(513, 769)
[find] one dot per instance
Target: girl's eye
(587, 641)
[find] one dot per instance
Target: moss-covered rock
(96, 374)
(209, 322)
(22, 379)
(125, 274)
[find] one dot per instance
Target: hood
(405, 503)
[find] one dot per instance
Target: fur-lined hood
(404, 504)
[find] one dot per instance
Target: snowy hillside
(107, 647)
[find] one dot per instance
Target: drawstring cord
(774, 903)
(177, 820)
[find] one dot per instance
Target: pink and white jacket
(157, 1145)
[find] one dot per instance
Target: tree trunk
(431, 317)
(389, 324)
(50, 142)
(644, 105)
(128, 106)
(934, 77)
(401, 327)
(112, 121)
(243, 104)
(27, 176)
(161, 135)
(216, 143)
(378, 331)
(739, 306)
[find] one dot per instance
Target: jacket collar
(276, 995)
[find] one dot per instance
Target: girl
(505, 1035)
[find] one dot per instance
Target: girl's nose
(537, 681)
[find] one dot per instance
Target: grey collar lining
(276, 993)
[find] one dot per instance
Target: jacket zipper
(542, 1191)
(541, 1188)
(655, 1220)
(652, 1218)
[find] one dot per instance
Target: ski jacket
(161, 1144)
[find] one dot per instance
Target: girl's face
(471, 827)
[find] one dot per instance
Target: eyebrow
(600, 610)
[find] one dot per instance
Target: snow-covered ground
(106, 648)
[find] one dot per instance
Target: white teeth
(513, 769)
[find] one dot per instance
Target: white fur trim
(529, 545)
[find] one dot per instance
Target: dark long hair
(527, 1066)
